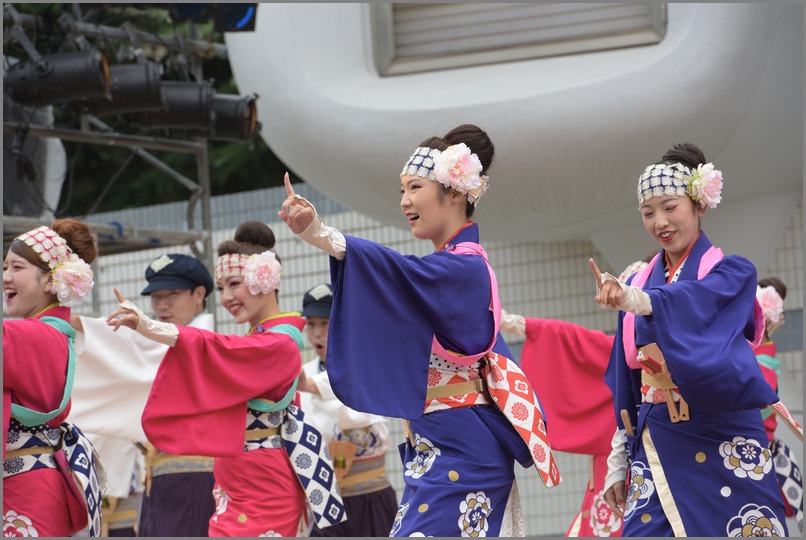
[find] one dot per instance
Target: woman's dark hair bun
(473, 136)
(78, 236)
(251, 237)
(686, 153)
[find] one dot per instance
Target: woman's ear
(457, 197)
(48, 276)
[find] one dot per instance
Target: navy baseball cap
(177, 271)
(318, 301)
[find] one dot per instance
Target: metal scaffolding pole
(121, 238)
(206, 49)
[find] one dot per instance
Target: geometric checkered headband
(663, 179)
(703, 185)
(230, 265)
(51, 248)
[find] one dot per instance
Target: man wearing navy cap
(114, 374)
(178, 286)
(357, 441)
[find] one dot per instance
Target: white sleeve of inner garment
(635, 300)
(617, 460)
(513, 324)
(161, 332)
(328, 239)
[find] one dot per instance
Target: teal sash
(29, 417)
(263, 405)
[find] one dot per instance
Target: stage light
(186, 105)
(135, 87)
(58, 78)
(235, 117)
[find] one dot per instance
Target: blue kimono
(713, 474)
(387, 307)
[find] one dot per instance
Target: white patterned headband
(72, 278)
(704, 185)
(261, 272)
(456, 167)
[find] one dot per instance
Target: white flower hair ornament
(703, 185)
(262, 272)
(772, 305)
(455, 167)
(71, 277)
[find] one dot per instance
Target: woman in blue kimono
(417, 338)
(686, 384)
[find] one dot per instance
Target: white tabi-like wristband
(617, 460)
(634, 300)
(513, 324)
(319, 235)
(161, 332)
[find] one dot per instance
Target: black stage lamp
(235, 117)
(186, 105)
(59, 78)
(135, 87)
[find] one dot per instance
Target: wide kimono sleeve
(387, 307)
(566, 364)
(114, 374)
(624, 382)
(34, 368)
(703, 328)
(197, 403)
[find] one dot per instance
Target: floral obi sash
(451, 385)
(30, 448)
(505, 383)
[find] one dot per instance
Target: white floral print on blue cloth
(475, 511)
(427, 453)
(755, 520)
(641, 488)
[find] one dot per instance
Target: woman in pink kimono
(45, 270)
(233, 398)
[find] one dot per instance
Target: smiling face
(244, 306)
(26, 287)
(431, 213)
(673, 222)
(178, 306)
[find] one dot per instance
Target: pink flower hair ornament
(71, 277)
(705, 185)
(772, 305)
(262, 273)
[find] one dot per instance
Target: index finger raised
(595, 269)
(121, 298)
(289, 190)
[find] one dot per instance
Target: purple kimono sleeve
(703, 327)
(386, 309)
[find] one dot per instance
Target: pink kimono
(38, 500)
(198, 406)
